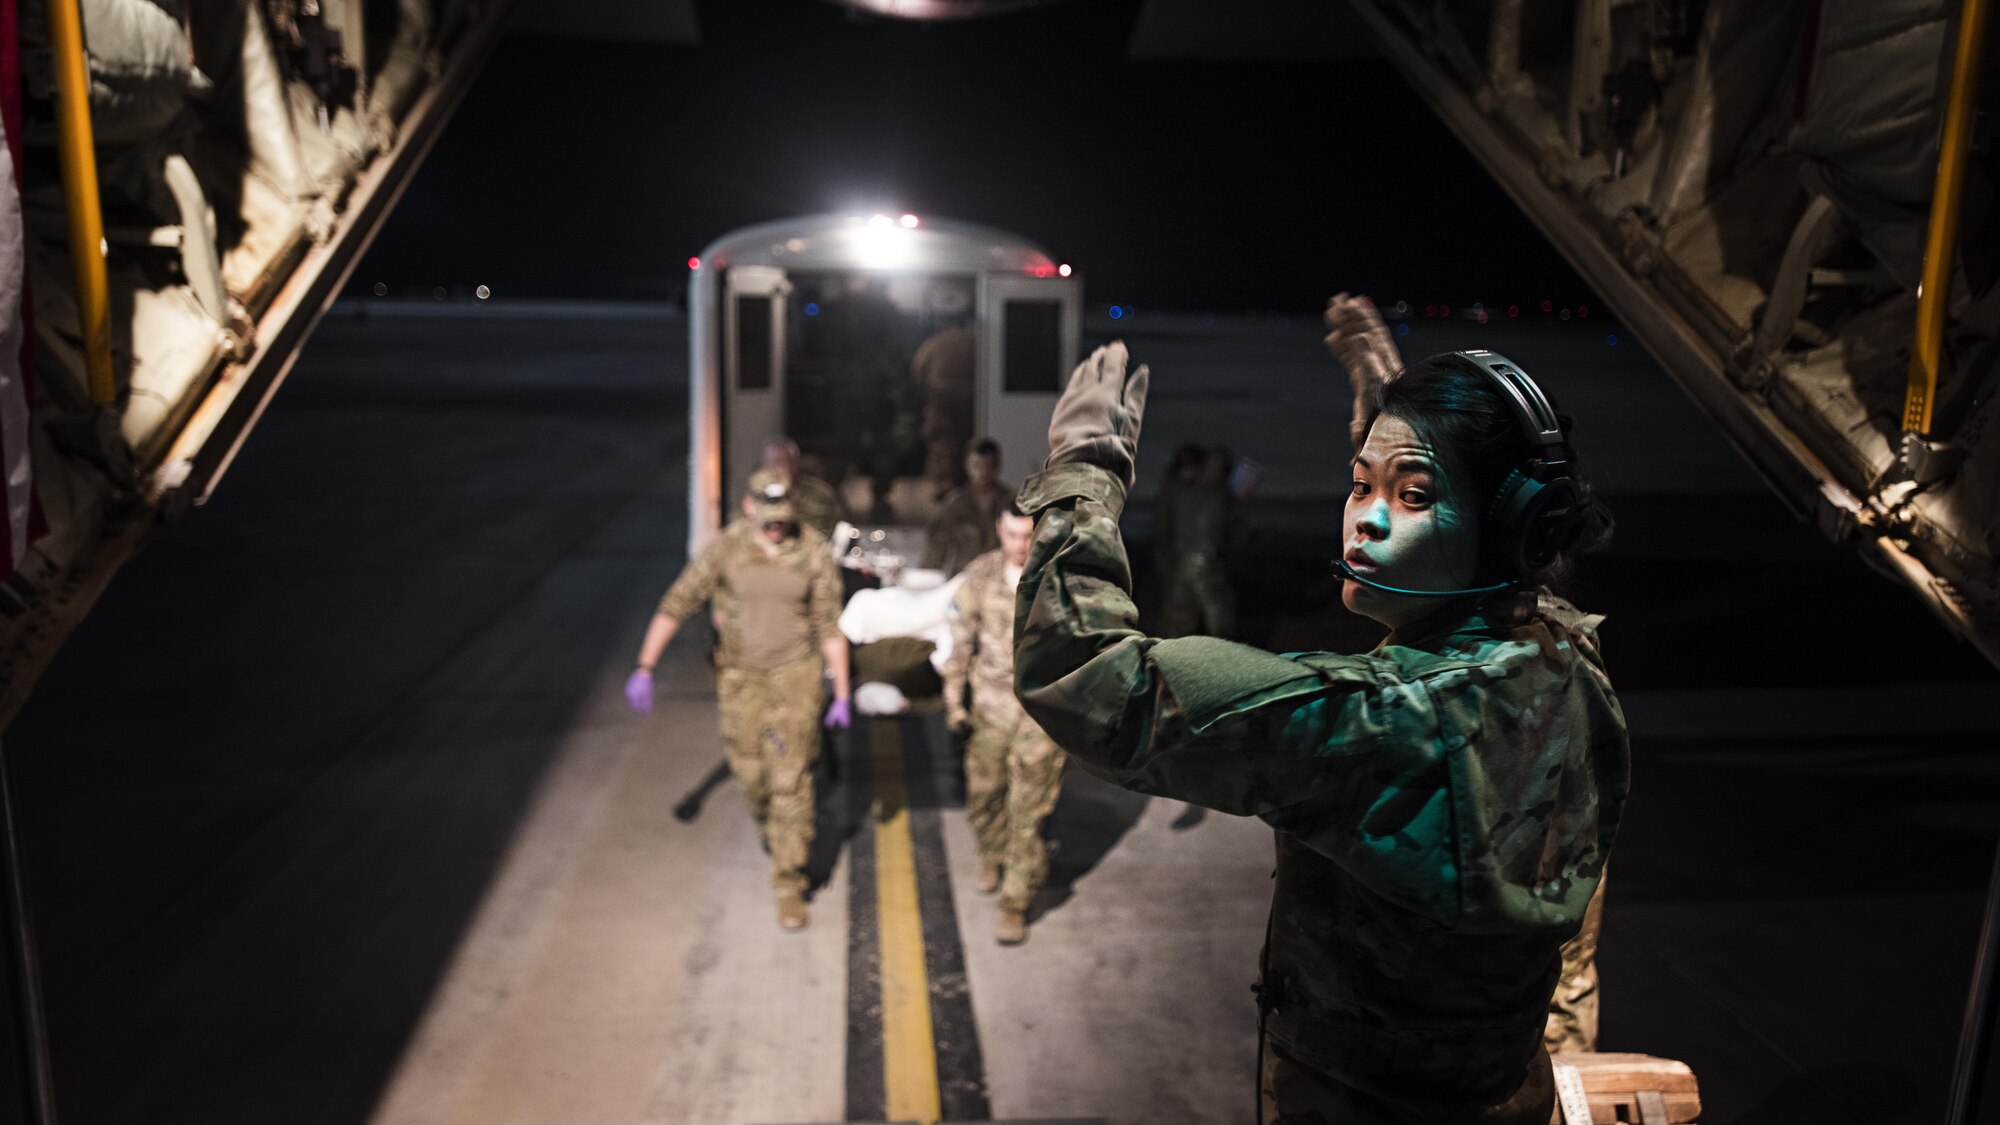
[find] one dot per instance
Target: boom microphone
(1341, 568)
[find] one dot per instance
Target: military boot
(1013, 927)
(989, 877)
(792, 910)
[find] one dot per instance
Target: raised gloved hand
(1361, 342)
(839, 716)
(639, 690)
(1096, 421)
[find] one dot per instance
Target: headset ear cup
(1530, 522)
(1548, 524)
(1503, 521)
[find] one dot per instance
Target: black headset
(1532, 517)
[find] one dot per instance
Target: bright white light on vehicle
(482, 292)
(1063, 270)
(909, 222)
(881, 244)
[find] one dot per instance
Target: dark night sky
(593, 169)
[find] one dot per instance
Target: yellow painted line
(909, 1049)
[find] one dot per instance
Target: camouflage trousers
(1293, 1093)
(1572, 1022)
(770, 730)
(1198, 600)
(1013, 774)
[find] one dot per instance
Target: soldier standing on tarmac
(1359, 339)
(1012, 771)
(1200, 517)
(962, 529)
(777, 597)
(1444, 804)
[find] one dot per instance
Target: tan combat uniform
(1012, 770)
(963, 527)
(1572, 1019)
(774, 604)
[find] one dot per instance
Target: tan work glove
(1096, 421)
(1361, 342)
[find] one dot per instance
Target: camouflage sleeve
(696, 583)
(823, 596)
(1219, 724)
(963, 617)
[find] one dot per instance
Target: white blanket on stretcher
(897, 611)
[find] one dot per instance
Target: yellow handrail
(79, 172)
(1927, 349)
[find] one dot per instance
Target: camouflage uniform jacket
(982, 644)
(1444, 805)
(963, 528)
(775, 606)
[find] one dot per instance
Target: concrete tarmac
(335, 814)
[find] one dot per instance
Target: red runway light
(1548, 306)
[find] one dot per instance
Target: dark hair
(985, 447)
(1458, 413)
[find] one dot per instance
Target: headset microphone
(1341, 568)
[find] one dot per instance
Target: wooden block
(1613, 1082)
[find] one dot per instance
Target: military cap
(771, 496)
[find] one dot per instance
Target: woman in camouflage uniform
(1444, 804)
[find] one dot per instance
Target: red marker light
(694, 263)
(1548, 305)
(1513, 310)
(1582, 311)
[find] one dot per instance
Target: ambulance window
(1033, 338)
(753, 343)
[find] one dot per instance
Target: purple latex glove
(639, 690)
(839, 715)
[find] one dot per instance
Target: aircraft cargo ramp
(1787, 203)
